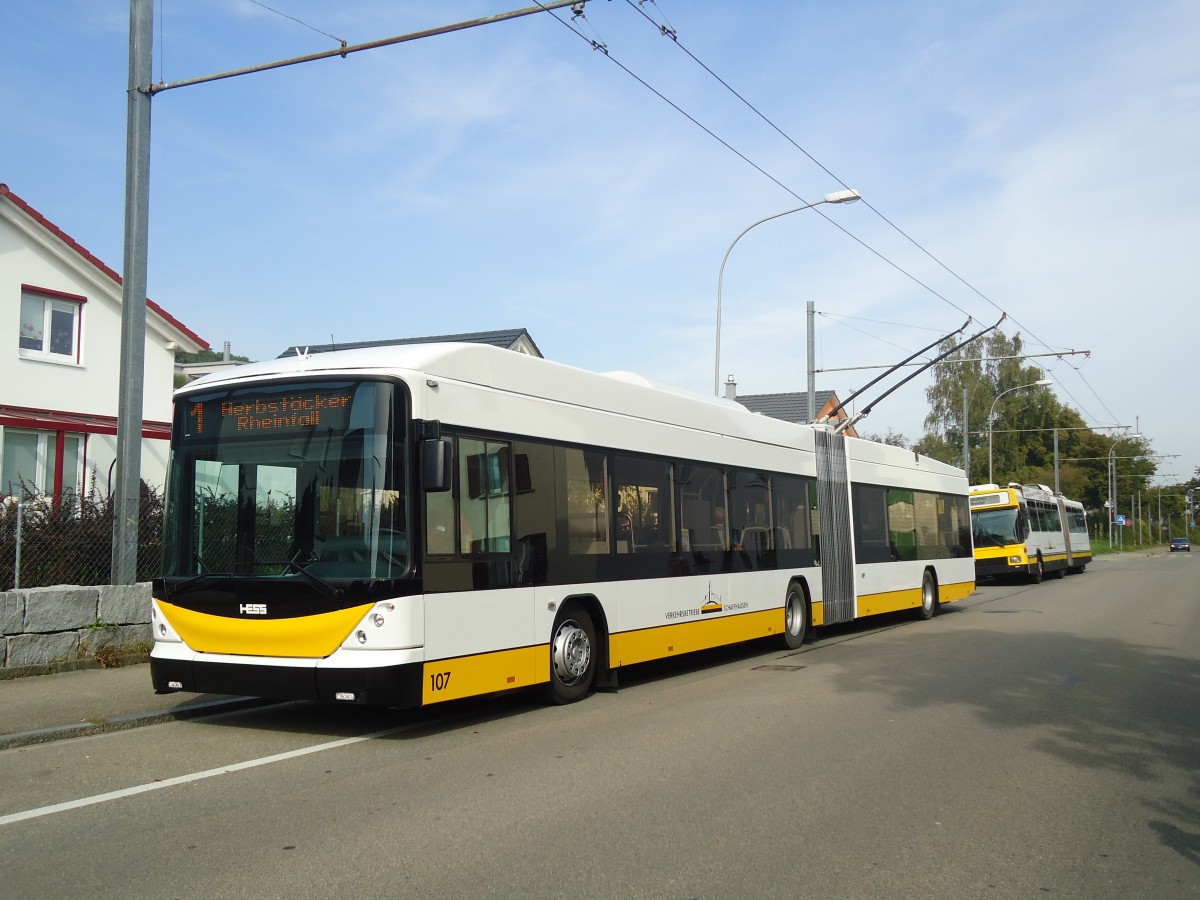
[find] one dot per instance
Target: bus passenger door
(1064, 527)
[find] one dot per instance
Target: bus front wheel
(1039, 571)
(572, 657)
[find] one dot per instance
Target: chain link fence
(46, 541)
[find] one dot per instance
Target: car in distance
(1181, 544)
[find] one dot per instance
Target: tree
(202, 356)
(892, 438)
(1021, 422)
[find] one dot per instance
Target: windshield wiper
(204, 578)
(323, 586)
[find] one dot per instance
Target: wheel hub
(572, 653)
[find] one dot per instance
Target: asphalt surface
(42, 708)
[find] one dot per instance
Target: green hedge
(70, 541)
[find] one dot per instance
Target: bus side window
(441, 521)
(584, 485)
(702, 508)
(815, 520)
(793, 520)
(485, 492)
(645, 515)
(872, 542)
(750, 517)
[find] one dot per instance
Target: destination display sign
(293, 409)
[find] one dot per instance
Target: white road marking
(185, 779)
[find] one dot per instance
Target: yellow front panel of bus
(309, 637)
(632, 647)
(1000, 552)
(485, 673)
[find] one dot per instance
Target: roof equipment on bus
(857, 417)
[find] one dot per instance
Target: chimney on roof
(225, 356)
(730, 388)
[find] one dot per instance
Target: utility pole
(127, 503)
(127, 490)
(966, 437)
(1057, 489)
(812, 354)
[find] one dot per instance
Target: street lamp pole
(1020, 387)
(1112, 483)
(846, 196)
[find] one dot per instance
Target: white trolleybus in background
(1027, 530)
(413, 524)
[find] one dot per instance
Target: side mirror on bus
(437, 464)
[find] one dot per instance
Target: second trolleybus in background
(407, 525)
(1027, 530)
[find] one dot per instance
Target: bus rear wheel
(929, 596)
(572, 657)
(795, 618)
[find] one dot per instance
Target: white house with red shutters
(60, 339)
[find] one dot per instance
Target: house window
(30, 460)
(50, 325)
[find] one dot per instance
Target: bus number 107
(439, 681)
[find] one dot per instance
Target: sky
(584, 178)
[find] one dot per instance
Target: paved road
(1029, 742)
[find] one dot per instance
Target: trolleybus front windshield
(303, 481)
(997, 527)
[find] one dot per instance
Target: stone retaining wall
(50, 628)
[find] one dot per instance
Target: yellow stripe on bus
(888, 601)
(485, 673)
(630, 647)
(948, 593)
(309, 637)
(894, 601)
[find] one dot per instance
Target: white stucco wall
(32, 255)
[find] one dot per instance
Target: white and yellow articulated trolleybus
(1029, 531)
(412, 524)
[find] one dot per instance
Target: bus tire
(1038, 575)
(572, 656)
(929, 596)
(796, 617)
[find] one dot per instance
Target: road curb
(124, 723)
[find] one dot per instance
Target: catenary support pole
(812, 362)
(966, 437)
(1057, 488)
(126, 505)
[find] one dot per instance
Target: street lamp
(846, 196)
(1112, 482)
(1039, 383)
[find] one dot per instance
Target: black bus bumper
(991, 568)
(396, 686)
